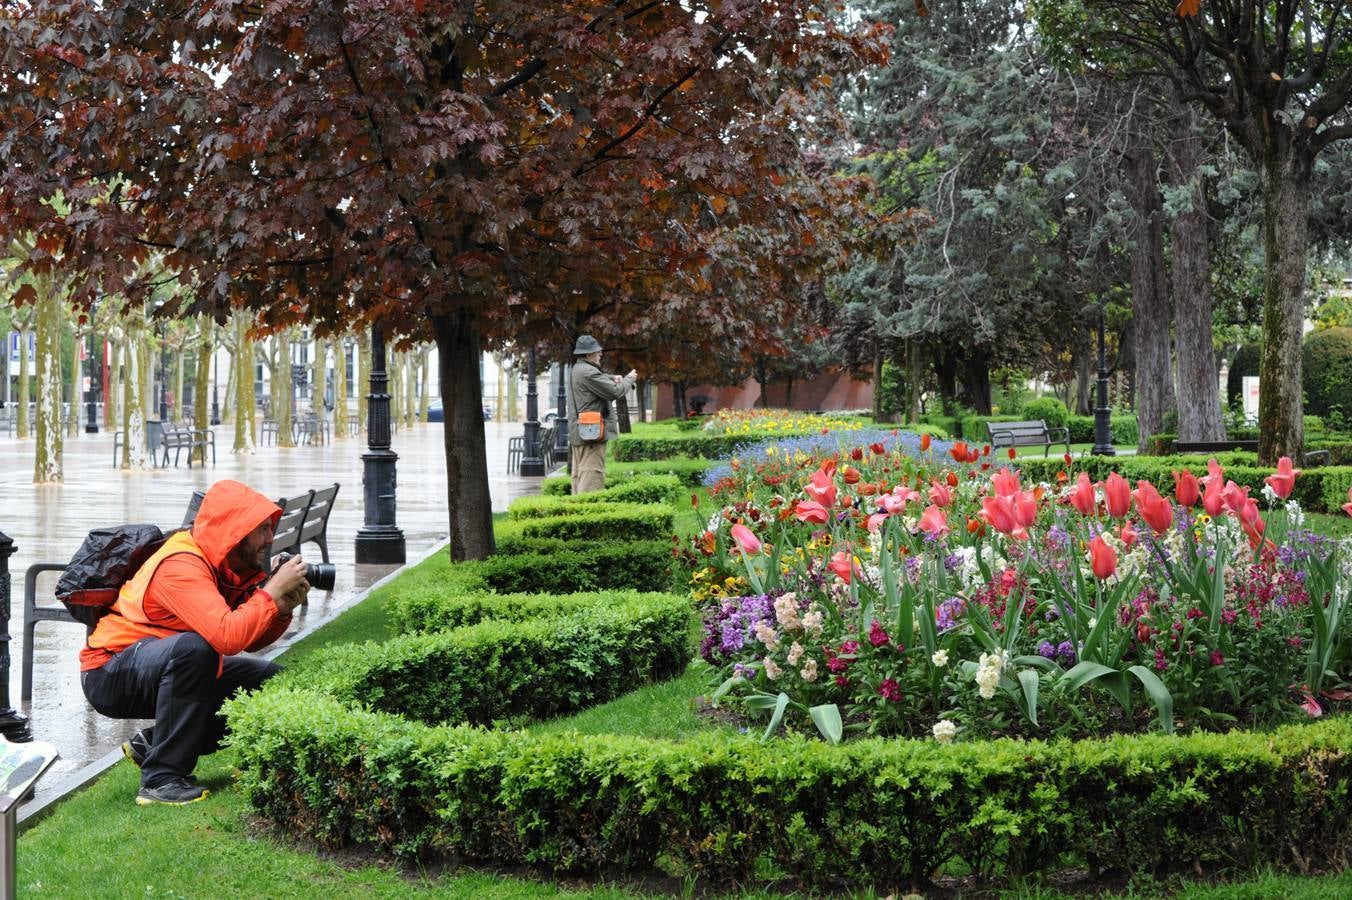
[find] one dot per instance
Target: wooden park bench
(1033, 433)
(516, 449)
(305, 519)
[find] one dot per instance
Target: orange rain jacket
(186, 586)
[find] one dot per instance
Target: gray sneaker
(175, 792)
(136, 748)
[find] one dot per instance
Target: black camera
(320, 575)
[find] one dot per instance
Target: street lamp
(13, 724)
(561, 422)
(91, 397)
(532, 463)
(379, 540)
(1103, 415)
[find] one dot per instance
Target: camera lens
(321, 575)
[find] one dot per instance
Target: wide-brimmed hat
(586, 344)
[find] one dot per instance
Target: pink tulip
(1025, 508)
(1347, 507)
(1102, 558)
(1082, 498)
(875, 521)
(1186, 489)
(1248, 512)
(811, 511)
(1157, 511)
(940, 494)
(1214, 472)
(933, 522)
(746, 539)
(896, 501)
(1212, 500)
(842, 563)
(1285, 479)
(999, 512)
(822, 488)
(1117, 495)
(1005, 483)
(1233, 497)
(1128, 535)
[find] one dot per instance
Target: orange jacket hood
(230, 511)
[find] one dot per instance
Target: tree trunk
(641, 391)
(135, 347)
(1151, 314)
(319, 375)
(946, 370)
(1199, 401)
(206, 346)
(47, 453)
(679, 409)
(914, 374)
(1286, 200)
(340, 418)
(467, 497)
(762, 400)
(877, 383)
(25, 382)
(622, 415)
(241, 364)
(1083, 362)
(363, 385)
(976, 379)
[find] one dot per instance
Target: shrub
(597, 522)
(1327, 372)
(1049, 409)
(640, 489)
(690, 473)
(1123, 428)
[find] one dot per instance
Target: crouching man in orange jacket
(167, 648)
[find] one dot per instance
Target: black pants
(173, 680)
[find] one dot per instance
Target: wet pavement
(47, 523)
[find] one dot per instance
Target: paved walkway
(47, 523)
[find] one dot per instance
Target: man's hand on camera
(287, 585)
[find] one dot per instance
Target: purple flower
(1046, 649)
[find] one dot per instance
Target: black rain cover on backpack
(107, 559)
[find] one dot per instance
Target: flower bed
(895, 586)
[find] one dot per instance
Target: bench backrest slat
(286, 536)
(317, 516)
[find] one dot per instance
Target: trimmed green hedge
(585, 523)
(1124, 428)
(535, 666)
(645, 489)
(874, 812)
(690, 472)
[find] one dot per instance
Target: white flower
(988, 671)
(1092, 623)
(772, 671)
(767, 636)
(1294, 514)
(1269, 495)
(939, 658)
(786, 611)
(812, 623)
(795, 652)
(944, 731)
(809, 670)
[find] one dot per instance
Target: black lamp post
(215, 399)
(1103, 421)
(164, 377)
(379, 540)
(13, 725)
(532, 463)
(561, 422)
(91, 396)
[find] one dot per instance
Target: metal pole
(379, 540)
(531, 462)
(561, 422)
(14, 725)
(1103, 421)
(215, 377)
(9, 836)
(91, 397)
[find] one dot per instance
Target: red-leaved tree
(469, 172)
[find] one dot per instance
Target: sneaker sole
(131, 757)
(146, 801)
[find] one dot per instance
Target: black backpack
(107, 559)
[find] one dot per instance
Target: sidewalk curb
(30, 815)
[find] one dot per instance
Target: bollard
(13, 724)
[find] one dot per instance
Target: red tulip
(746, 539)
(822, 487)
(1347, 507)
(842, 563)
(1066, 458)
(952, 479)
(1117, 495)
(1285, 479)
(933, 522)
(940, 494)
(1212, 500)
(925, 440)
(811, 511)
(958, 451)
(1214, 472)
(1128, 535)
(1186, 489)
(1082, 498)
(877, 448)
(1157, 511)
(1102, 558)
(850, 475)
(1248, 512)
(973, 454)
(1005, 483)
(999, 512)
(1012, 453)
(856, 453)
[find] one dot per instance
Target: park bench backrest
(316, 525)
(1014, 432)
(286, 536)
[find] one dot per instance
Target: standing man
(592, 391)
(167, 647)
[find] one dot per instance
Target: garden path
(47, 523)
